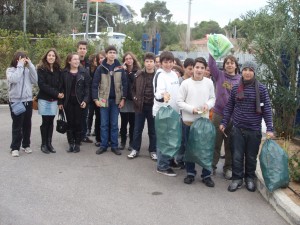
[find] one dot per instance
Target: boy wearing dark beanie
(248, 103)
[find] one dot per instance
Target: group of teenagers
(102, 86)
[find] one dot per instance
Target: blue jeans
(244, 146)
(140, 118)
(109, 115)
(190, 166)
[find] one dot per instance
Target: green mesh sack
(168, 131)
(201, 143)
(274, 165)
(218, 45)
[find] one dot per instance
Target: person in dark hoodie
(224, 80)
(76, 89)
(109, 92)
(50, 85)
(248, 103)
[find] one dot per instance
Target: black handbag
(61, 123)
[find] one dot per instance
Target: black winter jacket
(82, 87)
(50, 84)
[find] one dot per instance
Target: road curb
(279, 200)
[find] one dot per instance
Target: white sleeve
(212, 98)
(160, 88)
(181, 98)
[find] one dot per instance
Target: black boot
(71, 140)
(49, 139)
(77, 142)
(123, 143)
(44, 147)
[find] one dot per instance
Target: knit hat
(251, 65)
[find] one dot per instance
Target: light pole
(188, 29)
(87, 20)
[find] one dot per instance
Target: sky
(222, 11)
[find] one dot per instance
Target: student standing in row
(249, 102)
(50, 85)
(224, 81)
(21, 74)
(76, 87)
(166, 89)
(84, 62)
(109, 91)
(143, 95)
(196, 93)
(131, 66)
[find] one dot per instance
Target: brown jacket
(138, 88)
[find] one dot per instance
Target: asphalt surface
(87, 189)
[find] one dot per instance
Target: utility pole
(188, 29)
(96, 23)
(87, 20)
(24, 18)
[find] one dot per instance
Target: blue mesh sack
(168, 131)
(201, 143)
(218, 45)
(274, 165)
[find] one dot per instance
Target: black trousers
(244, 147)
(127, 117)
(21, 127)
(74, 118)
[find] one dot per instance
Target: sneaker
(227, 174)
(208, 182)
(153, 156)
(235, 184)
(27, 150)
(87, 140)
(133, 154)
(250, 184)
(169, 172)
(15, 153)
(189, 179)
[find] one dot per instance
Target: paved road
(84, 189)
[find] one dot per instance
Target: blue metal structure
(151, 44)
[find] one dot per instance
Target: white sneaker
(133, 154)
(15, 153)
(27, 150)
(153, 156)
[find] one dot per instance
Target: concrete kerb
(279, 200)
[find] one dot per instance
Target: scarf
(240, 92)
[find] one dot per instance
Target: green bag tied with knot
(274, 165)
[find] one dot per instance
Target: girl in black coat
(49, 81)
(76, 85)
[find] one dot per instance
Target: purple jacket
(223, 83)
